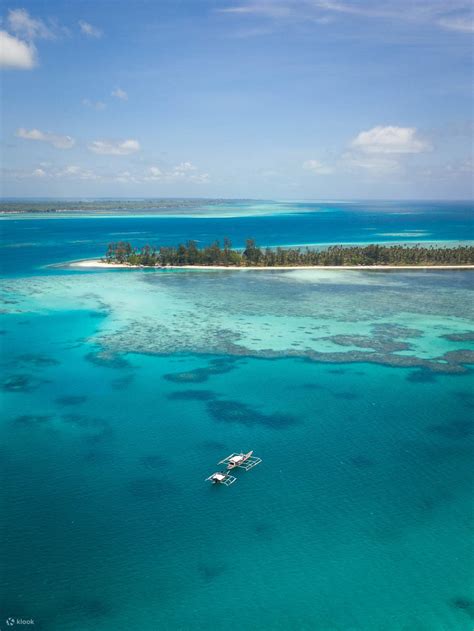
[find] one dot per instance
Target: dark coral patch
(457, 429)
(387, 359)
(362, 462)
(71, 400)
(468, 336)
(98, 314)
(192, 376)
(377, 343)
(421, 376)
(99, 437)
(464, 604)
(211, 571)
(37, 360)
(395, 330)
(95, 608)
(464, 395)
(32, 419)
(237, 412)
(192, 395)
(108, 360)
(21, 383)
(93, 457)
(96, 430)
(216, 366)
(466, 398)
(264, 529)
(426, 504)
(462, 356)
(222, 364)
(232, 411)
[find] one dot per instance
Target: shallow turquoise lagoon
(120, 392)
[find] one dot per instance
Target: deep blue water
(121, 390)
(55, 239)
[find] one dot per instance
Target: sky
(271, 99)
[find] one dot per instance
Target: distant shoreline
(99, 264)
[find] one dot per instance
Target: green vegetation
(111, 206)
(254, 256)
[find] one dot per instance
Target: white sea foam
(404, 233)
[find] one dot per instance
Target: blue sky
(236, 98)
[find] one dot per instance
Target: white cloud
(95, 105)
(44, 171)
(126, 177)
(15, 53)
(189, 172)
(16, 46)
(76, 172)
(464, 24)
(70, 172)
(266, 8)
(114, 147)
(317, 167)
(60, 142)
(448, 14)
(382, 150)
(390, 139)
(467, 166)
(90, 30)
(183, 171)
(73, 172)
(199, 178)
(155, 173)
(183, 168)
(22, 24)
(120, 94)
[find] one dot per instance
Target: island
(371, 256)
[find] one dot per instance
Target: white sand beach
(100, 264)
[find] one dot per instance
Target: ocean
(54, 238)
(122, 389)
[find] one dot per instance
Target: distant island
(124, 254)
(142, 206)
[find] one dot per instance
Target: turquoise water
(121, 390)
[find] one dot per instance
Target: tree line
(254, 256)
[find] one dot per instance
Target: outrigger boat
(243, 461)
(221, 477)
